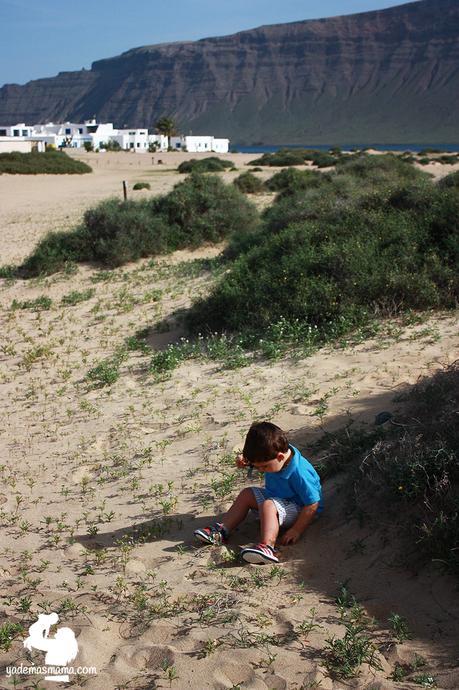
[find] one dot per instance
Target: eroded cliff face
(388, 76)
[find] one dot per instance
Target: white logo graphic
(60, 650)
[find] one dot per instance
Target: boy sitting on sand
(292, 496)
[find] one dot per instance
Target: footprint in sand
(135, 567)
(150, 656)
(80, 473)
(230, 675)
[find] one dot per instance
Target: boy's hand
(240, 461)
(291, 536)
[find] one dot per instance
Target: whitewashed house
(98, 135)
(19, 138)
(200, 144)
(139, 140)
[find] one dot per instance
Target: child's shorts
(287, 511)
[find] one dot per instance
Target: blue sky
(39, 38)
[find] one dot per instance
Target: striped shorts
(287, 511)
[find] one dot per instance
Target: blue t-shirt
(298, 482)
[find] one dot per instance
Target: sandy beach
(103, 487)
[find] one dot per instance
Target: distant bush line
(48, 163)
(286, 157)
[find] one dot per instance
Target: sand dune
(103, 487)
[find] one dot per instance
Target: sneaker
(259, 553)
(216, 534)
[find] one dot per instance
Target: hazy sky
(39, 38)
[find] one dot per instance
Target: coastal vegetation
(141, 185)
(375, 238)
(249, 183)
(409, 467)
(286, 157)
(204, 165)
(48, 163)
(198, 210)
(291, 180)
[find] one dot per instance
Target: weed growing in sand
(343, 657)
(107, 372)
(399, 627)
(309, 624)
(224, 486)
(8, 633)
(41, 303)
(425, 680)
(170, 671)
(73, 298)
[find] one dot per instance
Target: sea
(414, 148)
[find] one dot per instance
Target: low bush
(198, 210)
(292, 180)
(288, 157)
(379, 169)
(203, 165)
(48, 163)
(111, 145)
(416, 467)
(451, 181)
(409, 468)
(249, 183)
(337, 255)
(141, 185)
(281, 158)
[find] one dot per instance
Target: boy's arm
(304, 518)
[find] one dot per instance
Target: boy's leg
(269, 522)
(238, 511)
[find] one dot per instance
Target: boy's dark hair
(263, 442)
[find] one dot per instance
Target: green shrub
(111, 146)
(336, 259)
(203, 165)
(416, 468)
(451, 181)
(292, 180)
(281, 158)
(48, 163)
(322, 159)
(248, 183)
(379, 169)
(448, 159)
(107, 371)
(287, 157)
(198, 210)
(343, 657)
(141, 185)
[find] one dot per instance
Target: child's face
(274, 465)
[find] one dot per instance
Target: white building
(98, 135)
(200, 144)
(19, 138)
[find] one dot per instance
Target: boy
(292, 496)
